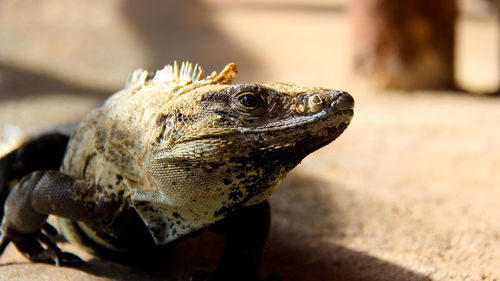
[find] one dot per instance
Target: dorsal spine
(185, 74)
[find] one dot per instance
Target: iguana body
(179, 150)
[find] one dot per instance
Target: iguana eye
(250, 100)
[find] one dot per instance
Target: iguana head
(209, 116)
(216, 147)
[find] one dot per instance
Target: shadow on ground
(16, 82)
(306, 224)
(299, 260)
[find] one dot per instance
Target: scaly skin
(183, 152)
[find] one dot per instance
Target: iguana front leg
(44, 152)
(38, 195)
(247, 232)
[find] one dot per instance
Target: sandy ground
(409, 192)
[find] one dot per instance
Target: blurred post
(498, 43)
(404, 44)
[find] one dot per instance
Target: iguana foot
(30, 245)
(32, 200)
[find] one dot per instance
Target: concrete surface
(409, 192)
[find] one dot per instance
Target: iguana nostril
(341, 100)
(316, 100)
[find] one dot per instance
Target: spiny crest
(185, 75)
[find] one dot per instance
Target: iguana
(170, 154)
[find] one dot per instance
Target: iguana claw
(33, 250)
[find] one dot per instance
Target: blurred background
(88, 48)
(409, 192)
